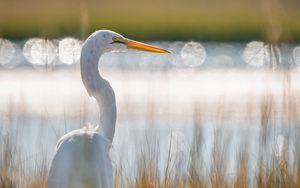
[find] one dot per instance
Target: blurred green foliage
(227, 20)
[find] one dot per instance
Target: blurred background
(229, 20)
(221, 110)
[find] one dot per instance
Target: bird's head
(112, 41)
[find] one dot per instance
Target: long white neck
(98, 88)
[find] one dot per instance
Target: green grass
(233, 20)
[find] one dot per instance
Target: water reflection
(280, 145)
(47, 54)
(177, 142)
(222, 61)
(178, 145)
(175, 57)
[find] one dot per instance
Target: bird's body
(79, 161)
(82, 157)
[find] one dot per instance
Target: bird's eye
(116, 39)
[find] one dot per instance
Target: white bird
(82, 157)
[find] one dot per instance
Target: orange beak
(131, 44)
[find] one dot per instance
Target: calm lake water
(219, 87)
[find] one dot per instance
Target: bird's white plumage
(82, 157)
(81, 160)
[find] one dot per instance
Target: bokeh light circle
(193, 54)
(7, 53)
(40, 52)
(69, 50)
(255, 54)
(258, 54)
(296, 55)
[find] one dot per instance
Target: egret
(82, 157)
